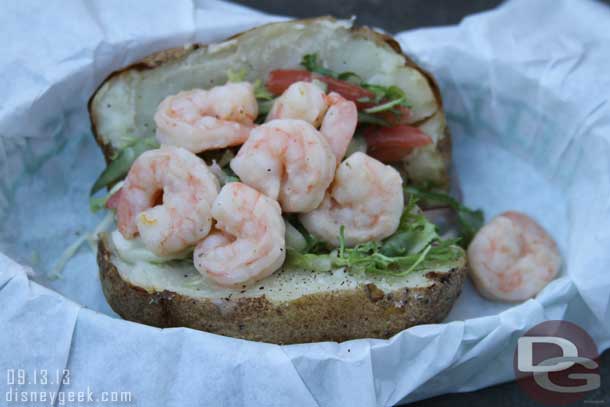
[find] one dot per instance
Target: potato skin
(363, 312)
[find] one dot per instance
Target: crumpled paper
(525, 88)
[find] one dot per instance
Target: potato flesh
(182, 278)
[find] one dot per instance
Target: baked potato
(293, 305)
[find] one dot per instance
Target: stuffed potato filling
(297, 172)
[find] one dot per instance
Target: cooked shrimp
(336, 116)
(366, 197)
(512, 258)
(339, 124)
(287, 160)
(166, 199)
(201, 120)
(302, 100)
(248, 243)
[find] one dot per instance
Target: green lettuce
(386, 98)
(415, 246)
(122, 160)
(469, 220)
(311, 63)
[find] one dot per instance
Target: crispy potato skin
(364, 312)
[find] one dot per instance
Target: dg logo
(555, 362)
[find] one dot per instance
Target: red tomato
(347, 90)
(280, 79)
(389, 144)
(113, 200)
(394, 119)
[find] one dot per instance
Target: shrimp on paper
(366, 198)
(201, 120)
(248, 242)
(166, 199)
(512, 258)
(287, 160)
(335, 116)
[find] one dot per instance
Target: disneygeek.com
(26, 388)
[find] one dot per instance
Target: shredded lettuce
(309, 261)
(96, 204)
(414, 233)
(121, 162)
(226, 158)
(261, 92)
(469, 220)
(415, 246)
(295, 239)
(134, 251)
(237, 76)
(385, 106)
(350, 77)
(313, 244)
(92, 237)
(311, 63)
(365, 118)
(264, 107)
(386, 98)
(387, 93)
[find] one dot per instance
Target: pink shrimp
(335, 116)
(166, 199)
(512, 258)
(201, 120)
(248, 242)
(366, 198)
(287, 160)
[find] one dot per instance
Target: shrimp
(201, 120)
(366, 198)
(287, 160)
(302, 100)
(248, 242)
(339, 124)
(166, 199)
(335, 116)
(512, 258)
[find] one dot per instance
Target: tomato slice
(280, 79)
(397, 119)
(388, 144)
(348, 90)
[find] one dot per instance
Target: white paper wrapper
(526, 93)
